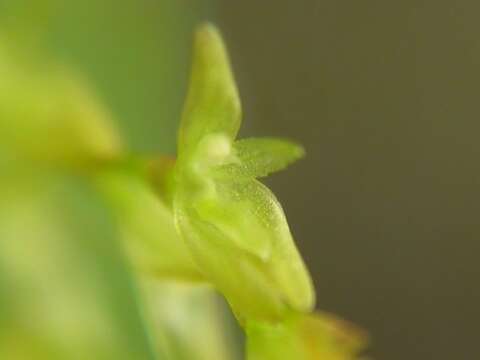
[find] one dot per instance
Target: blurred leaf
(147, 227)
(26, 20)
(47, 112)
(135, 51)
(190, 322)
(70, 293)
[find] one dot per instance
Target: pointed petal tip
(207, 32)
(300, 151)
(210, 49)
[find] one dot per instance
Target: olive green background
(383, 94)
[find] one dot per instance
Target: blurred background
(382, 94)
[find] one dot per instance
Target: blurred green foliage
(134, 51)
(68, 292)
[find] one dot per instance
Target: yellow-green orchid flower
(233, 224)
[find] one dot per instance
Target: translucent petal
(213, 104)
(239, 235)
(258, 157)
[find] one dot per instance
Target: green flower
(233, 225)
